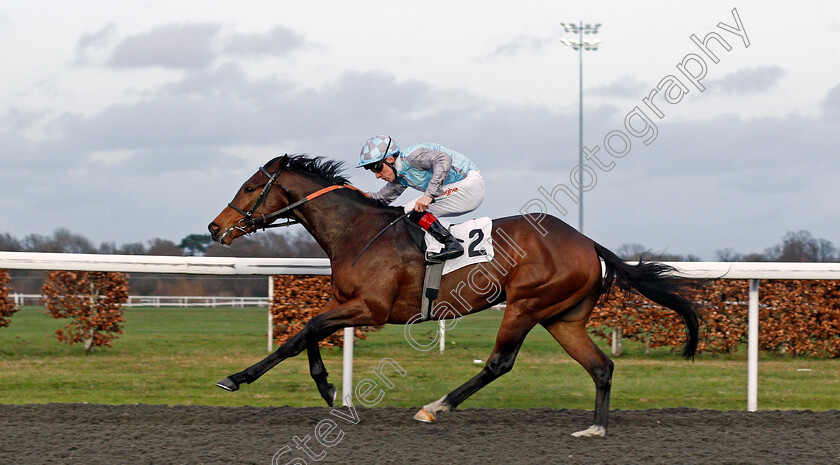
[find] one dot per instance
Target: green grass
(175, 356)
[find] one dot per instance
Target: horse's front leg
(351, 313)
(316, 365)
(290, 348)
(319, 372)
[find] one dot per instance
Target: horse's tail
(652, 281)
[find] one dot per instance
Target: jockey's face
(387, 172)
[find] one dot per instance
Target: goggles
(375, 167)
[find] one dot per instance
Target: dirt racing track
(152, 434)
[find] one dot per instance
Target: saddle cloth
(474, 235)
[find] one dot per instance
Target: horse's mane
(331, 171)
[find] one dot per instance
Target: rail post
(270, 319)
(347, 367)
(752, 348)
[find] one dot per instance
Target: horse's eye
(249, 189)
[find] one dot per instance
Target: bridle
(248, 219)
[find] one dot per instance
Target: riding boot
(451, 247)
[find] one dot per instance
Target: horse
(548, 273)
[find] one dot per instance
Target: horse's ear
(282, 162)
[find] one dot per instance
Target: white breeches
(457, 198)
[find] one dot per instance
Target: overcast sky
(132, 120)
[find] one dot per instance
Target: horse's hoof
(592, 431)
(425, 416)
(329, 395)
(228, 385)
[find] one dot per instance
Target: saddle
(474, 234)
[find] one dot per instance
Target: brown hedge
(7, 305)
(799, 317)
(91, 300)
(299, 298)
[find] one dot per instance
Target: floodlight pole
(579, 46)
(580, 132)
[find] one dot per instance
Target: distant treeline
(263, 244)
(799, 246)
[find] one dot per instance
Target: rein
(262, 222)
(396, 220)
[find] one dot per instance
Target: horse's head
(255, 205)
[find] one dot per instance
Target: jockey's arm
(389, 192)
(438, 163)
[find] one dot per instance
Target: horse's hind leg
(511, 334)
(574, 339)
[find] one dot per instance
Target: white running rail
(753, 271)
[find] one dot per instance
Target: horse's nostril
(213, 227)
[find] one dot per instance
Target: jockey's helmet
(376, 149)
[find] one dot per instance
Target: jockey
(446, 176)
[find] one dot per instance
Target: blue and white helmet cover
(375, 150)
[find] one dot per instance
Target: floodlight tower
(580, 44)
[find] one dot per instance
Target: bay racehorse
(547, 272)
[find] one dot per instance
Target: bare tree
(164, 247)
(9, 243)
(631, 251)
(729, 255)
(802, 246)
(133, 248)
(269, 244)
(62, 241)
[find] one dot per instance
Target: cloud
(522, 44)
(748, 80)
(626, 87)
(174, 46)
(225, 79)
(279, 41)
(90, 44)
(831, 104)
(222, 107)
(186, 46)
(17, 120)
(118, 174)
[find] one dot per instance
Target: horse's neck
(340, 224)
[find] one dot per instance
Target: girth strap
(431, 288)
